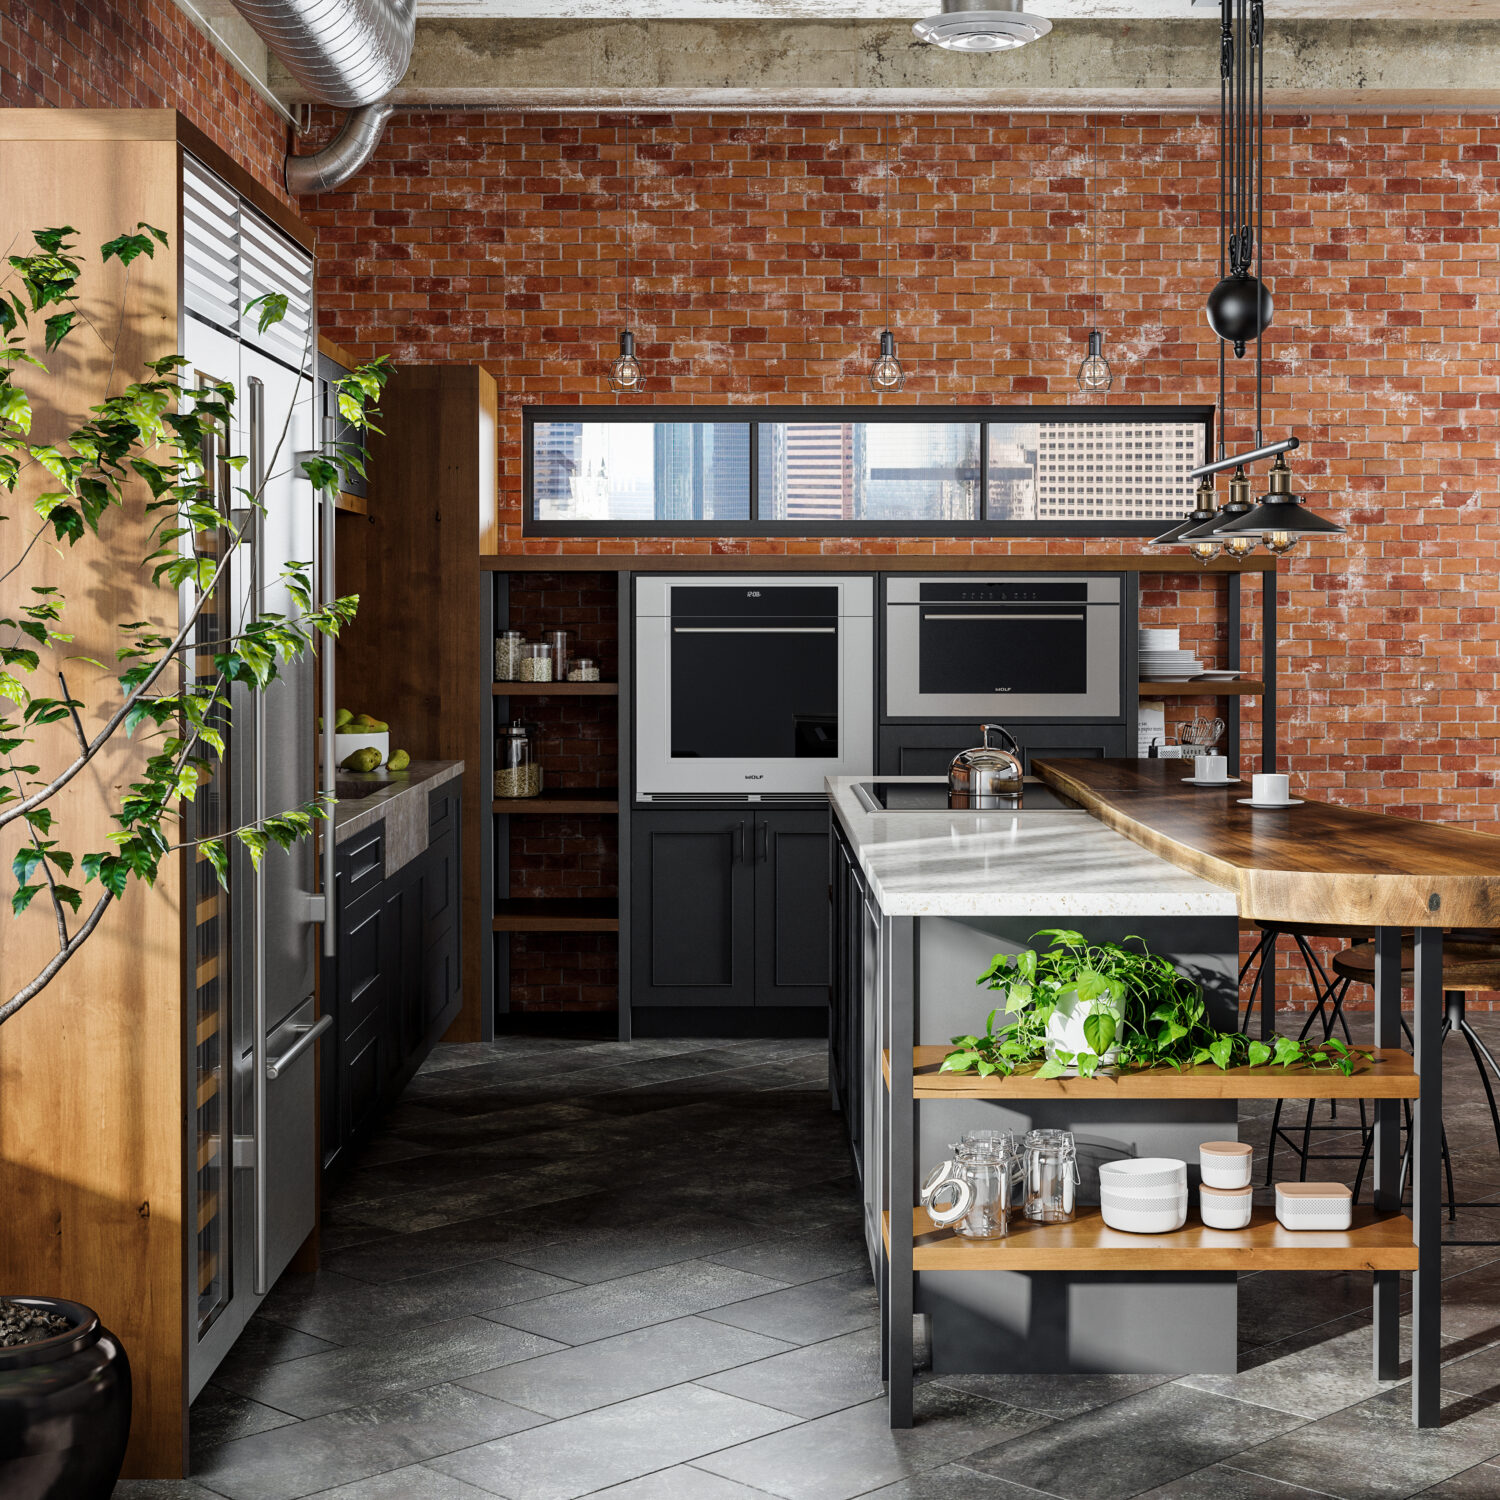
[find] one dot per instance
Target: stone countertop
(1046, 863)
(400, 803)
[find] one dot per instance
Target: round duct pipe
(343, 156)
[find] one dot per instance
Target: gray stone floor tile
(685, 1483)
(629, 1364)
(517, 1194)
(809, 1313)
(353, 1444)
(396, 1256)
(1274, 1305)
(1053, 1395)
(582, 1454)
(854, 1451)
(612, 1251)
(412, 1482)
(439, 1132)
(1479, 1483)
(220, 1416)
(812, 1381)
(953, 1482)
(1223, 1482)
(1131, 1445)
(162, 1489)
(798, 1258)
(1371, 1451)
(595, 1312)
(370, 1312)
(266, 1341)
(405, 1362)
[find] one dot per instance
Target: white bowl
(1143, 1172)
(1225, 1208)
(1146, 1220)
(344, 745)
(1223, 1167)
(1162, 1201)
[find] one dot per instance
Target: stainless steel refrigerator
(252, 1133)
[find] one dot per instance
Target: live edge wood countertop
(1313, 863)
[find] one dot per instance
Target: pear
(399, 761)
(341, 718)
(376, 726)
(366, 759)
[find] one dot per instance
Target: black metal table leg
(1268, 993)
(1427, 1026)
(898, 984)
(1387, 1150)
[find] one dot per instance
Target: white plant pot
(344, 745)
(1065, 1027)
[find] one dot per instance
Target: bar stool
(1471, 962)
(1329, 992)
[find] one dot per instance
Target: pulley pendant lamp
(1094, 374)
(625, 375)
(886, 374)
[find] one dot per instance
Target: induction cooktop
(934, 796)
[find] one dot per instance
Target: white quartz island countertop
(1041, 863)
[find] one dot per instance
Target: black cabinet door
(440, 929)
(791, 908)
(928, 749)
(692, 908)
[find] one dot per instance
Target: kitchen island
(923, 899)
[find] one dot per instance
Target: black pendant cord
(1258, 52)
(1094, 218)
(622, 301)
(885, 194)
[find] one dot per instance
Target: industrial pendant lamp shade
(886, 373)
(1203, 510)
(1279, 518)
(981, 26)
(1239, 309)
(625, 372)
(1094, 374)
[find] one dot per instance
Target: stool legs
(1427, 1020)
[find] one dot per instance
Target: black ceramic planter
(64, 1410)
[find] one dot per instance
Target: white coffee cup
(1211, 768)
(1269, 787)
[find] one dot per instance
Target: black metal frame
(753, 416)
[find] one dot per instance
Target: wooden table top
(1313, 863)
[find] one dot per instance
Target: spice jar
(1051, 1175)
(561, 643)
(583, 669)
(536, 662)
(517, 773)
(508, 644)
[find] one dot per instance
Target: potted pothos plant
(1073, 1007)
(133, 463)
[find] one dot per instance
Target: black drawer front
(360, 865)
(359, 973)
(442, 810)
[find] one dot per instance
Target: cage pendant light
(625, 375)
(886, 374)
(1094, 374)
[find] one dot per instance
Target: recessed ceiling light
(981, 26)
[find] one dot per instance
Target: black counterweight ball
(1238, 309)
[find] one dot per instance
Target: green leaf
(15, 407)
(959, 1062)
(22, 899)
(57, 328)
(273, 306)
(1052, 1068)
(1259, 1054)
(1099, 1030)
(1221, 1050)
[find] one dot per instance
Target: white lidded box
(1226, 1208)
(1225, 1164)
(1314, 1205)
(1143, 1174)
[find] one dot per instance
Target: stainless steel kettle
(987, 770)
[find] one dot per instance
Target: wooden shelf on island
(557, 689)
(564, 800)
(1377, 1242)
(557, 914)
(1204, 687)
(1390, 1076)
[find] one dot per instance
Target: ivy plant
(1166, 1022)
(141, 450)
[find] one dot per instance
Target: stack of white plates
(1158, 665)
(1144, 1195)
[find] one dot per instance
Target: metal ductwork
(348, 54)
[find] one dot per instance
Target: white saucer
(1251, 802)
(1223, 675)
(1227, 781)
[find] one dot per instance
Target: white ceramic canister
(1226, 1208)
(1225, 1164)
(1143, 1174)
(1314, 1205)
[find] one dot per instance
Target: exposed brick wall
(137, 54)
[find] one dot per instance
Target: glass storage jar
(561, 643)
(536, 662)
(978, 1188)
(508, 644)
(1051, 1175)
(583, 669)
(517, 773)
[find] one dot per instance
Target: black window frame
(753, 416)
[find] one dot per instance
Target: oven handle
(755, 630)
(926, 618)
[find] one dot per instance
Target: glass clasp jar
(508, 644)
(978, 1188)
(517, 773)
(1051, 1158)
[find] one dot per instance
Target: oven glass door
(965, 649)
(762, 688)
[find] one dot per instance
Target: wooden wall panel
(91, 1072)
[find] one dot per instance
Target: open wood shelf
(1390, 1076)
(1207, 687)
(556, 689)
(565, 800)
(557, 914)
(1377, 1242)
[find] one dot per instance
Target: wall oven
(1030, 647)
(752, 688)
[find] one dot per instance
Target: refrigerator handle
(257, 393)
(327, 589)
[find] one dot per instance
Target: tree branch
(43, 979)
